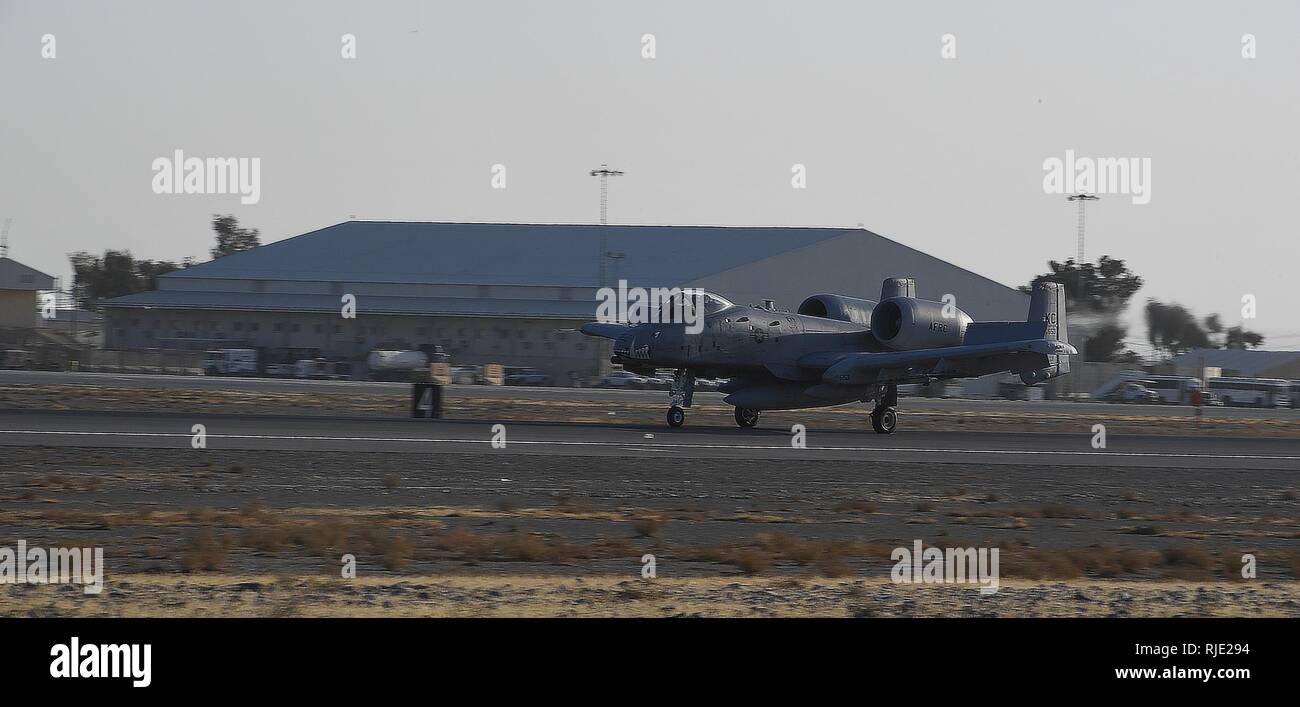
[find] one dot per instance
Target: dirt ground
(264, 533)
(224, 595)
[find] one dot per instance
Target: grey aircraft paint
(838, 349)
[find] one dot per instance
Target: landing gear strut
(679, 396)
(746, 417)
(884, 418)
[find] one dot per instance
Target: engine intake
(905, 324)
(839, 307)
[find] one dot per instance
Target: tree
(1106, 343)
(1214, 324)
(1173, 329)
(1100, 290)
(231, 238)
(1238, 338)
(115, 274)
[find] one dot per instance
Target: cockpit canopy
(711, 302)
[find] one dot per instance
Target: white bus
(1252, 392)
(1173, 390)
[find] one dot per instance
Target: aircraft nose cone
(624, 344)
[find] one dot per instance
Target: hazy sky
(945, 155)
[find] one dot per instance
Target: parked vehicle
(398, 365)
(622, 379)
(465, 375)
(316, 368)
(660, 381)
(526, 376)
(1208, 398)
(708, 383)
(230, 362)
(17, 358)
(280, 370)
(1135, 392)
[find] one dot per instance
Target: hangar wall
(425, 284)
(856, 264)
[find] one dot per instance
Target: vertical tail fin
(1047, 305)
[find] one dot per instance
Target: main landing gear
(746, 417)
(679, 396)
(676, 416)
(884, 418)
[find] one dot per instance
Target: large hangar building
(506, 293)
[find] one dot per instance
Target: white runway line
(675, 445)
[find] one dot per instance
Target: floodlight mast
(1081, 199)
(604, 173)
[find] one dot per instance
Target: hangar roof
(279, 302)
(506, 254)
(1243, 362)
(16, 276)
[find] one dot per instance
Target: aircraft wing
(604, 330)
(867, 368)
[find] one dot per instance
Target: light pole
(604, 173)
(1080, 283)
(1081, 199)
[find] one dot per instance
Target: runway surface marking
(675, 445)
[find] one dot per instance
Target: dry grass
(826, 558)
(396, 553)
(752, 562)
(572, 506)
(206, 552)
(855, 505)
(522, 547)
(649, 527)
(1097, 561)
(1062, 510)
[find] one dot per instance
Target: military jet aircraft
(837, 349)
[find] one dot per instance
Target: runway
(488, 392)
(298, 433)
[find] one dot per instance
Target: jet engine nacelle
(839, 307)
(1042, 374)
(905, 324)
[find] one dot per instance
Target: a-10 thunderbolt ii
(837, 349)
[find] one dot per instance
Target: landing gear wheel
(884, 420)
(676, 416)
(746, 417)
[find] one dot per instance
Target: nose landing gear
(679, 396)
